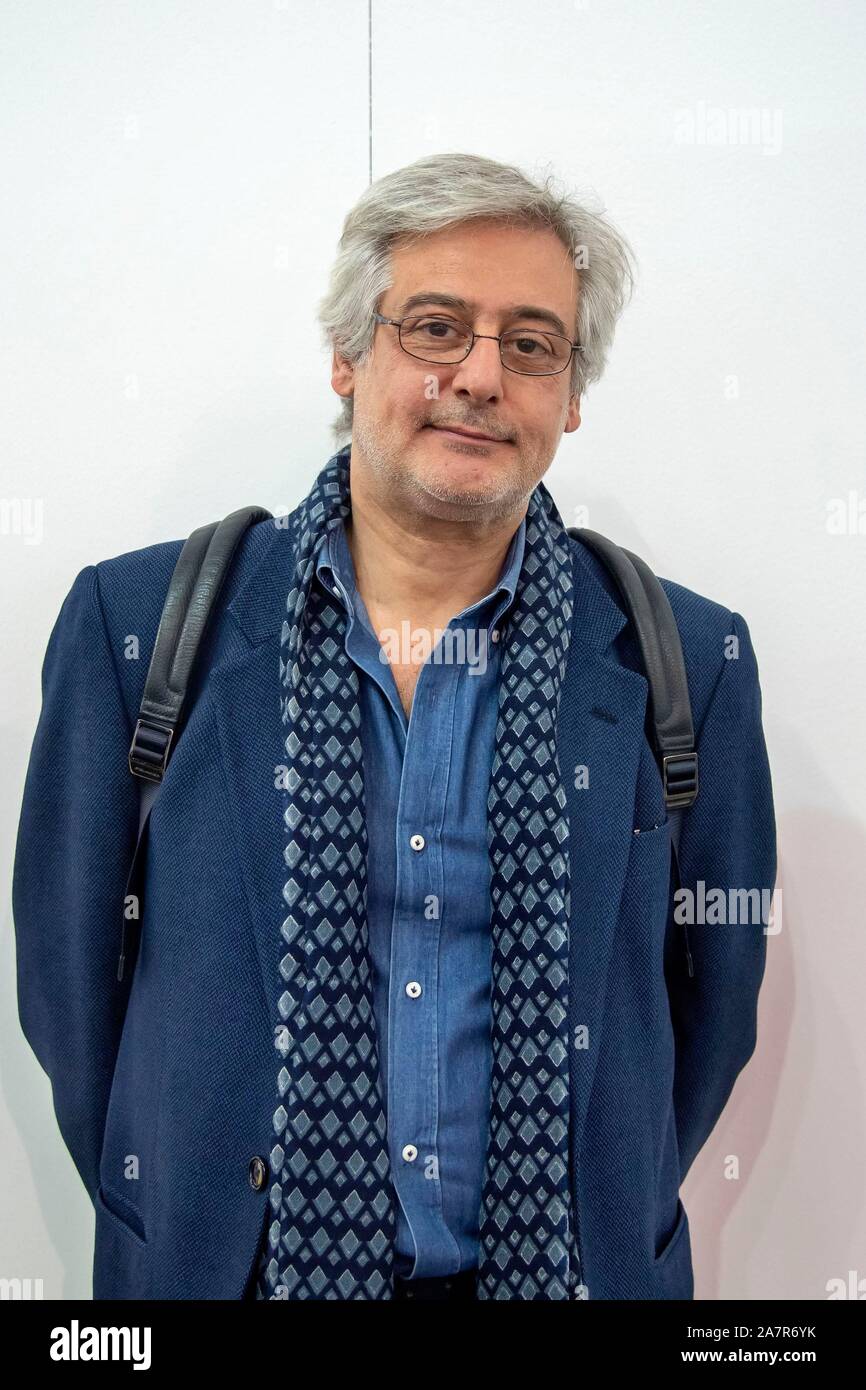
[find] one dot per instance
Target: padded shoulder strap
(655, 626)
(195, 584)
(193, 590)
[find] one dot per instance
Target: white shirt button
(413, 989)
(410, 1153)
(494, 636)
(417, 841)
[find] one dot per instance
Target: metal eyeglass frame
(494, 337)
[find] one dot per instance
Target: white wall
(176, 175)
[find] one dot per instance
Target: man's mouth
(459, 432)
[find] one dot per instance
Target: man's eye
(437, 328)
(532, 345)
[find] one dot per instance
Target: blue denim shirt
(426, 782)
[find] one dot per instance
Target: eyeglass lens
(529, 350)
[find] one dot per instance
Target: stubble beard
(415, 487)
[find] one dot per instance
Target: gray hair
(439, 191)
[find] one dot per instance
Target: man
(411, 1014)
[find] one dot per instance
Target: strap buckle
(148, 752)
(680, 778)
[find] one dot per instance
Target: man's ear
(572, 418)
(342, 375)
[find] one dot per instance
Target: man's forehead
(448, 269)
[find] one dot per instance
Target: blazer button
(258, 1173)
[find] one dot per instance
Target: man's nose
(481, 373)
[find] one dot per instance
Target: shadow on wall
(795, 1121)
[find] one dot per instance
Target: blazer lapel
(246, 698)
(600, 733)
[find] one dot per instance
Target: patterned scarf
(332, 1199)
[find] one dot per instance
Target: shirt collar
(336, 571)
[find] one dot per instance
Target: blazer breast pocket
(643, 927)
(649, 861)
(661, 822)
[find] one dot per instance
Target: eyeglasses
(529, 351)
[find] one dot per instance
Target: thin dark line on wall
(370, 87)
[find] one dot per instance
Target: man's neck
(421, 568)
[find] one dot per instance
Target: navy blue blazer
(171, 1074)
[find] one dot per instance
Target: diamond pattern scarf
(332, 1201)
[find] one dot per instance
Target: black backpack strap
(648, 608)
(195, 585)
(658, 637)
